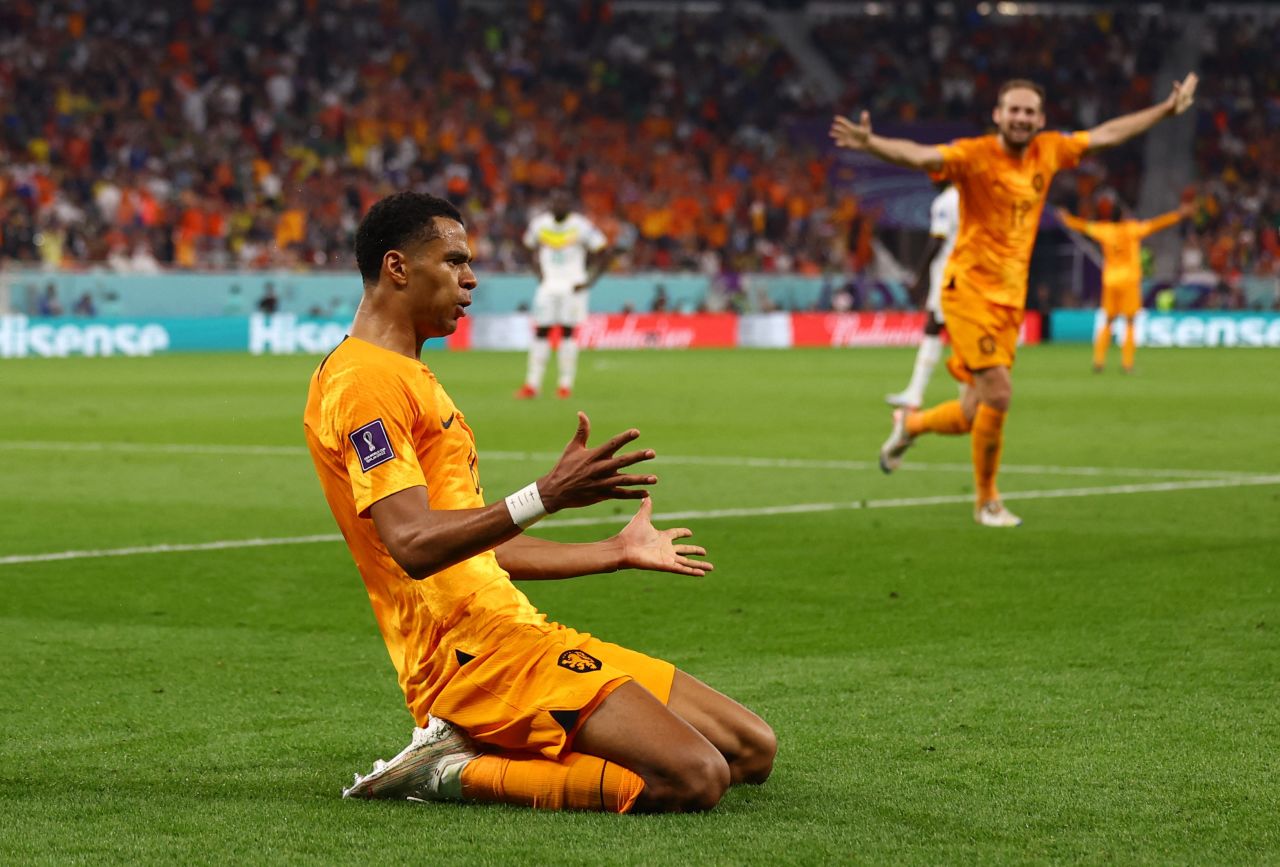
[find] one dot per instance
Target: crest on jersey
(579, 661)
(372, 445)
(1037, 182)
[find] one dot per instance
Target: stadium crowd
(1237, 225)
(222, 135)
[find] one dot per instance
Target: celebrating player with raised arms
(1003, 180)
(1121, 243)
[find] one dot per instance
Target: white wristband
(525, 506)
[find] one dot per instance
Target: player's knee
(757, 749)
(698, 783)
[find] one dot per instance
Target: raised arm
(423, 540)
(1071, 221)
(1120, 129)
(639, 545)
(899, 151)
(1164, 221)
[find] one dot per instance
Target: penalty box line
(697, 514)
(687, 460)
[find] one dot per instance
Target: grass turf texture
(1098, 685)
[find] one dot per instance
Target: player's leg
(1102, 341)
(927, 356)
(682, 770)
(746, 741)
(544, 312)
(567, 359)
(1128, 349)
(992, 392)
(573, 313)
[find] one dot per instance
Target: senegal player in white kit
(944, 226)
(570, 255)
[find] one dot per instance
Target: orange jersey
(1001, 198)
(1122, 245)
(377, 423)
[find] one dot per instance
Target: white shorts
(559, 306)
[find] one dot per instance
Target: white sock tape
(525, 506)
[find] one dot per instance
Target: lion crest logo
(579, 661)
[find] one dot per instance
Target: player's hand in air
(646, 547)
(848, 134)
(1183, 94)
(584, 476)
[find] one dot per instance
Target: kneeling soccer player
(509, 707)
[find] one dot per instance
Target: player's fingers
(584, 429)
(697, 568)
(617, 441)
(628, 493)
(864, 119)
(678, 533)
(690, 550)
(628, 480)
(632, 458)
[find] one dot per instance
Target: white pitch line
(688, 460)
(669, 517)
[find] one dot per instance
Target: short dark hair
(399, 219)
(1021, 84)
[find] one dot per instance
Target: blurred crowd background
(210, 135)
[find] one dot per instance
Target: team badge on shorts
(579, 661)
(987, 345)
(372, 445)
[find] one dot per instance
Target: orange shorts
(982, 334)
(1123, 300)
(532, 690)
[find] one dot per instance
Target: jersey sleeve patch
(372, 445)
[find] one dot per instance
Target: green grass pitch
(1100, 685)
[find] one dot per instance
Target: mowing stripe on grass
(691, 460)
(703, 514)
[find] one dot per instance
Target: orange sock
(987, 440)
(945, 418)
(1127, 350)
(1100, 344)
(576, 782)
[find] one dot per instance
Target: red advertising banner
(877, 329)
(658, 331)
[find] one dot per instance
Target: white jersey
(944, 222)
(562, 248)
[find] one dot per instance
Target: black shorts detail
(567, 719)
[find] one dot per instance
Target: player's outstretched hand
(584, 475)
(848, 134)
(646, 547)
(1184, 93)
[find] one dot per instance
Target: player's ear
(395, 265)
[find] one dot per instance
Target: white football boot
(993, 514)
(897, 443)
(429, 769)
